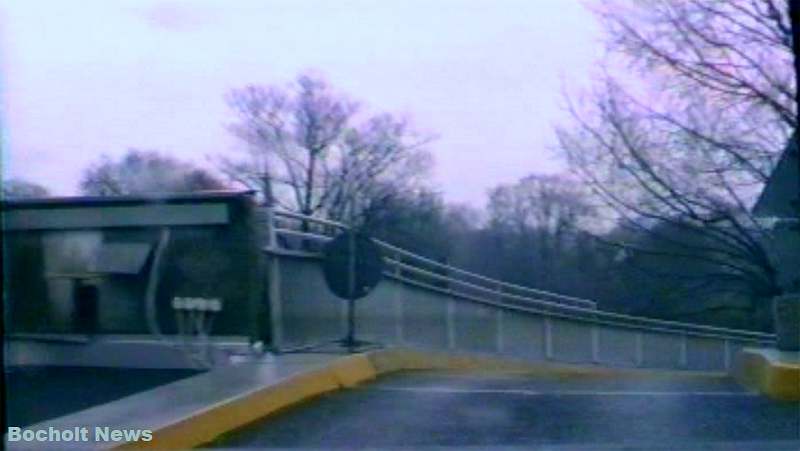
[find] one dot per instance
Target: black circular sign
(353, 265)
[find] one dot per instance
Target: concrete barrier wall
(572, 341)
(523, 335)
(406, 313)
(661, 350)
(310, 313)
(705, 354)
(617, 346)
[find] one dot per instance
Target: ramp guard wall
(432, 305)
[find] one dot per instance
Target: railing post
(343, 317)
(275, 301)
(450, 323)
(499, 342)
(727, 354)
(595, 343)
(398, 306)
(272, 236)
(639, 349)
(684, 352)
(548, 338)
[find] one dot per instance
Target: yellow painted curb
(353, 370)
(208, 425)
(762, 370)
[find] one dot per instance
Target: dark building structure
(779, 207)
(84, 267)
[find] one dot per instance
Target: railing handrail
(482, 277)
(569, 310)
(301, 217)
(763, 339)
(432, 262)
(593, 313)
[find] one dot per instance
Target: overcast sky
(82, 78)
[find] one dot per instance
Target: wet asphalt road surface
(432, 410)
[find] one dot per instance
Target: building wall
(785, 250)
(781, 199)
(220, 260)
(25, 292)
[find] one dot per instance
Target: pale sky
(81, 78)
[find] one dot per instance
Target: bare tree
(715, 76)
(648, 178)
(736, 53)
(305, 150)
(680, 153)
(413, 220)
(143, 172)
(552, 203)
(23, 189)
(537, 225)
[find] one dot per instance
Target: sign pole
(350, 341)
(353, 267)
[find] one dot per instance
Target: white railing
(413, 269)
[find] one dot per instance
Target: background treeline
(542, 233)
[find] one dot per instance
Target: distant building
(84, 277)
(778, 208)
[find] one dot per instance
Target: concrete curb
(211, 423)
(768, 371)
(216, 420)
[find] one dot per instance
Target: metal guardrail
(396, 255)
(413, 269)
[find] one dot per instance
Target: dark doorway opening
(86, 300)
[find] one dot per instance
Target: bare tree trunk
(310, 173)
(307, 208)
(794, 18)
(266, 189)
